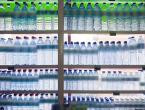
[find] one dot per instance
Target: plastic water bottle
(107, 59)
(125, 53)
(36, 84)
(127, 17)
(119, 17)
(67, 17)
(2, 53)
(47, 17)
(51, 80)
(33, 51)
(97, 18)
(80, 84)
(41, 80)
(30, 82)
(119, 53)
(17, 45)
(55, 79)
(89, 18)
(66, 54)
(134, 18)
(9, 54)
(113, 50)
(111, 19)
(83, 58)
(141, 50)
(24, 17)
(71, 55)
(101, 53)
(89, 54)
(2, 19)
(95, 53)
(55, 51)
(75, 15)
(8, 20)
(48, 54)
(76, 53)
(81, 18)
(32, 17)
(40, 18)
(40, 52)
(8, 85)
(133, 51)
(24, 57)
(141, 17)
(24, 84)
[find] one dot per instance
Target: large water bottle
(133, 51)
(75, 16)
(101, 53)
(40, 52)
(2, 18)
(119, 53)
(8, 20)
(89, 23)
(9, 54)
(2, 53)
(95, 53)
(24, 17)
(111, 18)
(141, 16)
(89, 54)
(17, 45)
(81, 18)
(24, 57)
(76, 53)
(127, 17)
(32, 17)
(48, 54)
(141, 51)
(97, 18)
(40, 18)
(71, 55)
(119, 17)
(83, 57)
(16, 21)
(33, 51)
(66, 54)
(55, 51)
(125, 53)
(134, 17)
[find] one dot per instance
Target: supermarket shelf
(27, 66)
(104, 91)
(102, 32)
(30, 32)
(27, 92)
(104, 66)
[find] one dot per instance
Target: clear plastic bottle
(119, 51)
(2, 18)
(24, 17)
(2, 51)
(32, 17)
(9, 54)
(125, 53)
(83, 58)
(89, 54)
(101, 53)
(141, 51)
(33, 51)
(48, 55)
(67, 17)
(25, 84)
(47, 16)
(107, 52)
(95, 53)
(17, 45)
(55, 51)
(40, 52)
(24, 57)
(81, 18)
(132, 50)
(71, 55)
(41, 80)
(51, 80)
(8, 20)
(112, 54)
(76, 53)
(66, 54)
(97, 18)
(75, 15)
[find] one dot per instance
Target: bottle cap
(89, 42)
(33, 37)
(25, 37)
(47, 37)
(100, 42)
(40, 37)
(19, 70)
(30, 70)
(41, 70)
(35, 70)
(65, 42)
(46, 69)
(17, 37)
(51, 69)
(118, 42)
(94, 42)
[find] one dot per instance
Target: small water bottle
(112, 53)
(33, 51)
(125, 53)
(101, 53)
(81, 18)
(9, 54)
(95, 54)
(66, 54)
(40, 52)
(89, 54)
(8, 20)
(17, 49)
(71, 55)
(41, 80)
(76, 53)
(119, 50)
(107, 52)
(2, 53)
(55, 51)
(2, 19)
(75, 15)
(83, 57)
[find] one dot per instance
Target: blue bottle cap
(94, 42)
(89, 42)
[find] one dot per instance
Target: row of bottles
(122, 17)
(130, 52)
(30, 79)
(104, 80)
(27, 101)
(29, 51)
(93, 102)
(29, 18)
